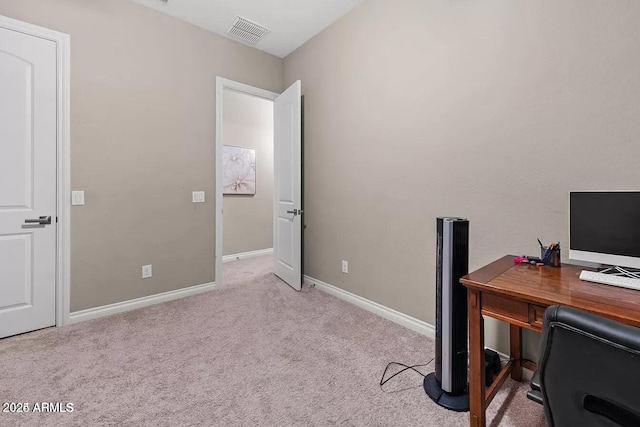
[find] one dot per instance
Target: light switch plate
(77, 198)
(198, 196)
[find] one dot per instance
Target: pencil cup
(553, 257)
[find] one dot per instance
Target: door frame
(221, 85)
(63, 166)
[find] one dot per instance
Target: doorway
(287, 176)
(247, 176)
(241, 112)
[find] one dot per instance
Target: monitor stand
(622, 271)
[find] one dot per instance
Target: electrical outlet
(146, 271)
(345, 267)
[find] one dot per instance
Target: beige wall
(248, 220)
(142, 138)
(492, 110)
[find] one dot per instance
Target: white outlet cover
(345, 267)
(146, 271)
(77, 198)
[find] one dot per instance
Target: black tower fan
(447, 386)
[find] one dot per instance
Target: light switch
(198, 197)
(77, 198)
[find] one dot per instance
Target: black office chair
(588, 370)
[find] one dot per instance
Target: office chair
(588, 370)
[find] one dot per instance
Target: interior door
(287, 219)
(28, 133)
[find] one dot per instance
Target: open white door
(28, 135)
(287, 188)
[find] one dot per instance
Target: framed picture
(238, 170)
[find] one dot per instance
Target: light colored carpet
(254, 353)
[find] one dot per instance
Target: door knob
(294, 212)
(43, 220)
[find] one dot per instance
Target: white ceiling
(292, 22)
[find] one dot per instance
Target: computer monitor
(604, 227)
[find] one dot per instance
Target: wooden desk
(519, 295)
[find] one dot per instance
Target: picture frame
(238, 170)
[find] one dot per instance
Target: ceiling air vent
(247, 31)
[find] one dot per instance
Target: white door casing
(287, 188)
(34, 177)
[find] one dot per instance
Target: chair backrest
(589, 370)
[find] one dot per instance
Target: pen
(547, 253)
(540, 242)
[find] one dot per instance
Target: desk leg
(476, 360)
(515, 335)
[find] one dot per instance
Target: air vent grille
(247, 31)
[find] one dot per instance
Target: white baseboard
(405, 320)
(119, 307)
(244, 255)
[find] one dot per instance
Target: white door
(287, 194)
(28, 108)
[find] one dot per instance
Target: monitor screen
(606, 225)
